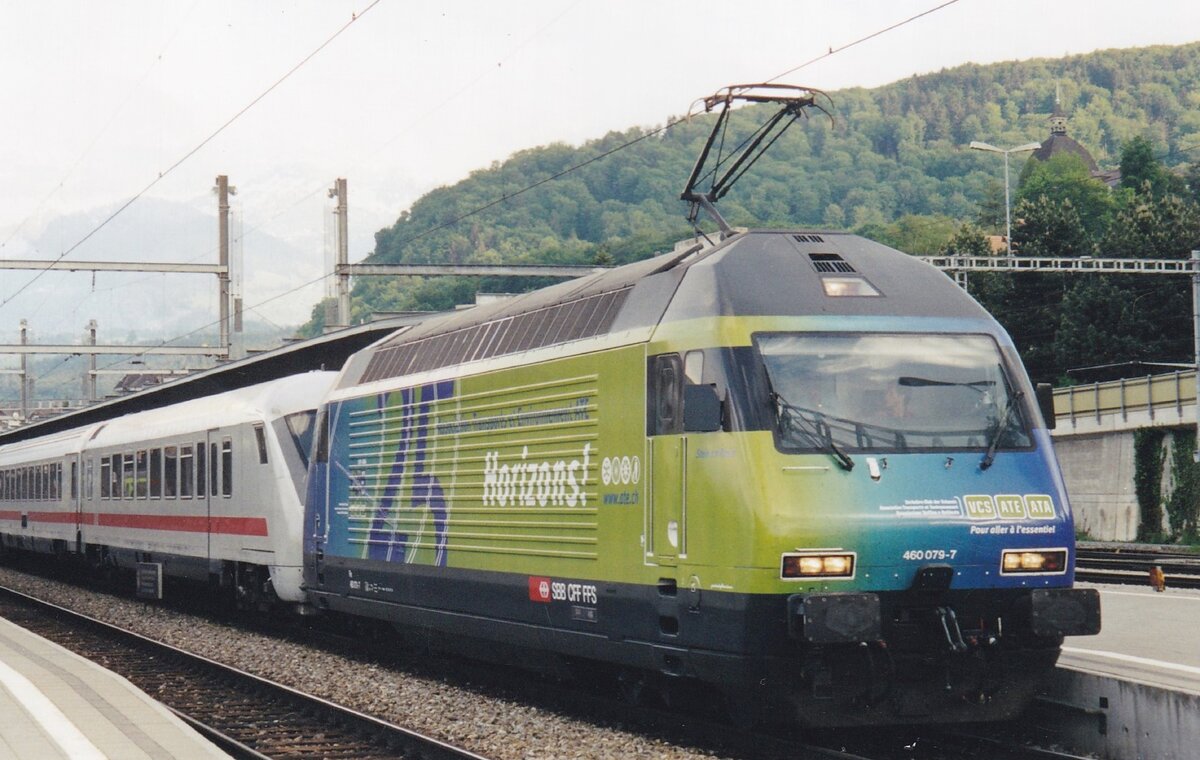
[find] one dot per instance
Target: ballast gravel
(493, 727)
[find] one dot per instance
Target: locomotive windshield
(892, 392)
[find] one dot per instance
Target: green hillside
(893, 165)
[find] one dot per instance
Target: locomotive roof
(752, 273)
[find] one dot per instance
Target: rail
(1097, 562)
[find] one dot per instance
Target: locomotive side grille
(830, 263)
(429, 470)
(573, 320)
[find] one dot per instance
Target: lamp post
(976, 145)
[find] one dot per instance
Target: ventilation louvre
(827, 263)
(809, 238)
(581, 318)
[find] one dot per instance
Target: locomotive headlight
(1027, 561)
(818, 565)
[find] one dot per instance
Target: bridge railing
(1154, 398)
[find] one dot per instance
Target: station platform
(56, 704)
(1146, 636)
(1133, 691)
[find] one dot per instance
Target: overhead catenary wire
(860, 40)
(199, 146)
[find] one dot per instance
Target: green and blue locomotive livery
(801, 466)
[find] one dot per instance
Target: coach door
(208, 463)
(75, 495)
(666, 513)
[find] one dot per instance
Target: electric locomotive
(688, 467)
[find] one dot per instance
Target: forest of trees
(893, 166)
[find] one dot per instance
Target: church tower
(1060, 142)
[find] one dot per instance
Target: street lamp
(976, 145)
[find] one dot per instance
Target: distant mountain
(141, 307)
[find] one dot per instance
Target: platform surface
(1147, 636)
(56, 704)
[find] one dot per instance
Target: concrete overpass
(1094, 440)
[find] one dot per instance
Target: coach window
(141, 476)
(170, 471)
(128, 478)
(187, 473)
(227, 464)
(105, 477)
(74, 480)
(115, 485)
(260, 437)
(213, 475)
(201, 471)
(155, 473)
(89, 479)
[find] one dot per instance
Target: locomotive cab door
(666, 513)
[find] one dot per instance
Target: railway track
(1097, 562)
(247, 716)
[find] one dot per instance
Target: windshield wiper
(1001, 428)
(924, 382)
(790, 417)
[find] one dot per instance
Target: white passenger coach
(209, 489)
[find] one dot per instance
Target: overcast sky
(99, 99)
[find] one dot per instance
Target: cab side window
(664, 395)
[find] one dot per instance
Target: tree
(1049, 226)
(1066, 178)
(991, 214)
(918, 234)
(1140, 168)
(967, 240)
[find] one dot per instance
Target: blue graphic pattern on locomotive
(387, 475)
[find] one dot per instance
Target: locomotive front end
(927, 536)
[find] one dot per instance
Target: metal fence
(1160, 398)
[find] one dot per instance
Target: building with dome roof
(1060, 142)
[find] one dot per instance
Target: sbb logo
(539, 589)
